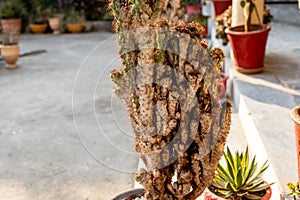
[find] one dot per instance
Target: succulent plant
(240, 178)
(168, 82)
(294, 190)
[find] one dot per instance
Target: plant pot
(193, 9)
(130, 195)
(10, 53)
(54, 23)
(221, 6)
(204, 33)
(222, 84)
(75, 28)
(208, 195)
(248, 47)
(11, 26)
(38, 28)
(295, 115)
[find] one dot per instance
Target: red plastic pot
(193, 9)
(208, 195)
(295, 115)
(221, 6)
(222, 84)
(204, 33)
(248, 47)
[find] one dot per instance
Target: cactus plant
(168, 82)
(240, 178)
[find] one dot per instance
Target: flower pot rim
(295, 114)
(9, 45)
(54, 18)
(232, 30)
(33, 24)
(11, 19)
(75, 23)
(265, 197)
(136, 192)
(222, 0)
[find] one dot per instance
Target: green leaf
(239, 179)
(252, 196)
(254, 186)
(222, 172)
(229, 163)
(259, 173)
(250, 170)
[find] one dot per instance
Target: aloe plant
(240, 178)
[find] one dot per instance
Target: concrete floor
(43, 155)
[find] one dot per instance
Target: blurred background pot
(54, 23)
(38, 28)
(295, 115)
(10, 53)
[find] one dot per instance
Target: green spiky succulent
(240, 178)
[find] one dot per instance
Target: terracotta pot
(248, 47)
(221, 6)
(11, 26)
(38, 28)
(75, 28)
(55, 25)
(208, 195)
(204, 33)
(10, 53)
(222, 84)
(193, 9)
(295, 115)
(129, 195)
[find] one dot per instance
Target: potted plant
(248, 41)
(240, 178)
(222, 84)
(74, 21)
(55, 22)
(295, 115)
(11, 12)
(221, 6)
(10, 49)
(202, 20)
(168, 83)
(294, 190)
(224, 21)
(39, 18)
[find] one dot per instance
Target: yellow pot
(38, 28)
(75, 28)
